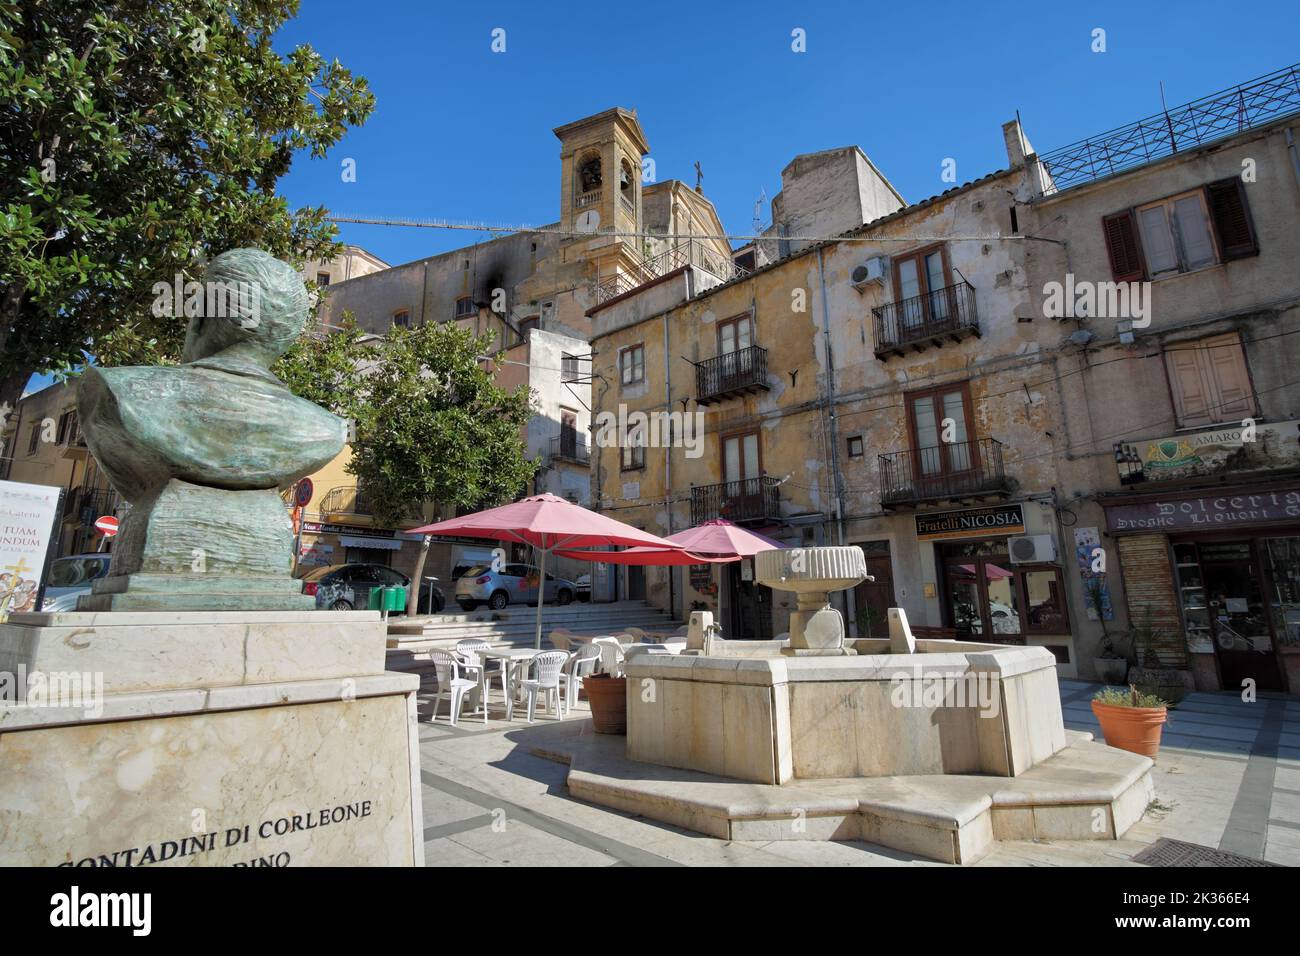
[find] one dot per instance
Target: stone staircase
(410, 638)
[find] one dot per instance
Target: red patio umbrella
(714, 542)
(546, 522)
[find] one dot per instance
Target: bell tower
(600, 184)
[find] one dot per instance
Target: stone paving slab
(1197, 784)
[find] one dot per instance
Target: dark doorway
(749, 616)
(635, 583)
(873, 599)
(1239, 622)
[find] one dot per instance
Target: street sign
(302, 494)
(107, 526)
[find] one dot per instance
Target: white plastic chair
(468, 652)
(451, 685)
(582, 662)
(548, 665)
(611, 655)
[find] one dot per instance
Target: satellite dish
(588, 221)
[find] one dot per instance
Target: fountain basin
(756, 715)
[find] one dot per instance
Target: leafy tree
(431, 422)
(137, 138)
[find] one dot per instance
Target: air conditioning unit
(870, 272)
(1031, 548)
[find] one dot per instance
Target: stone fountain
(937, 747)
(816, 628)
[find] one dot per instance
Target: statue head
(255, 309)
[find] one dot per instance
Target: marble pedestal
(236, 738)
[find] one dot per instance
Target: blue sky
(462, 133)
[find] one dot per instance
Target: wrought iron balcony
(951, 472)
(689, 253)
(571, 447)
(749, 500)
(732, 373)
(346, 500)
(928, 319)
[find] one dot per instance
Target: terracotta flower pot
(1135, 729)
(608, 698)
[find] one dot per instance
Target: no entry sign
(107, 526)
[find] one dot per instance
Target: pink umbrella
(714, 542)
(545, 522)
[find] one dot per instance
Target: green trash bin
(387, 599)
(395, 599)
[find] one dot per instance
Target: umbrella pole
(541, 597)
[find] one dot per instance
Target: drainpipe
(1295, 160)
(828, 404)
(828, 409)
(668, 467)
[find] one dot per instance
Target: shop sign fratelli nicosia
(1204, 513)
(971, 523)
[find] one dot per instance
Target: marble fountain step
(1087, 791)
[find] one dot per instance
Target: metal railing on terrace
(1189, 126)
(689, 253)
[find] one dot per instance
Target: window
(402, 319)
(634, 450)
(569, 371)
(855, 446)
(631, 362)
(34, 440)
(735, 334)
(464, 307)
(526, 325)
(989, 597)
(940, 422)
(921, 281)
(741, 459)
(1181, 233)
(68, 427)
(1209, 381)
(322, 279)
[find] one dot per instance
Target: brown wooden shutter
(1227, 367)
(1150, 595)
(1193, 395)
(1232, 223)
(1124, 247)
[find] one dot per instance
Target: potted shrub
(1111, 666)
(1148, 676)
(1130, 720)
(607, 696)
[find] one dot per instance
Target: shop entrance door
(1239, 622)
(750, 617)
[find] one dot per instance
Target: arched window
(589, 179)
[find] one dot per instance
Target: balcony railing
(572, 448)
(732, 373)
(924, 320)
(346, 500)
(969, 469)
(1193, 124)
(690, 253)
(747, 500)
(583, 200)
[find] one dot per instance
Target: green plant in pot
(1111, 665)
(1130, 719)
(1149, 676)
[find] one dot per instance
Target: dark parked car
(347, 587)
